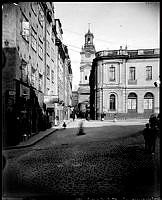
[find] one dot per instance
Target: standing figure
(64, 125)
(73, 115)
(152, 139)
(146, 134)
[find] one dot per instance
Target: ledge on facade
(140, 53)
(87, 84)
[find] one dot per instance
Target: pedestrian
(152, 139)
(102, 116)
(114, 120)
(73, 116)
(64, 125)
(146, 134)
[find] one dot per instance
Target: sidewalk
(37, 137)
(91, 123)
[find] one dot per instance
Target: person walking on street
(73, 116)
(152, 141)
(146, 134)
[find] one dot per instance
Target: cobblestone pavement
(96, 164)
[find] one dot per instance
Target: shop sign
(50, 100)
(24, 91)
(11, 92)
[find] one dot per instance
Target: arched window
(148, 101)
(132, 102)
(112, 102)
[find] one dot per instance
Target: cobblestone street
(93, 165)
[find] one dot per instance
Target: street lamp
(157, 83)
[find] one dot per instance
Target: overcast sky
(115, 24)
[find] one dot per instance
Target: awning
(49, 100)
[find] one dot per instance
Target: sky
(113, 24)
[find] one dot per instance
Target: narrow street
(109, 160)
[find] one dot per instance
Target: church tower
(87, 55)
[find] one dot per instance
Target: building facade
(87, 56)
(64, 76)
(75, 101)
(122, 83)
(30, 69)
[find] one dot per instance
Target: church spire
(89, 27)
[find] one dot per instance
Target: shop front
(50, 102)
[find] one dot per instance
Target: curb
(32, 143)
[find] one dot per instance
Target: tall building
(33, 69)
(122, 83)
(87, 56)
(63, 93)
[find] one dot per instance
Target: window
(52, 75)
(149, 73)
(52, 54)
(48, 47)
(40, 82)
(132, 102)
(85, 77)
(40, 17)
(34, 39)
(112, 102)
(40, 49)
(25, 29)
(132, 73)
(24, 72)
(48, 91)
(148, 101)
(33, 77)
(48, 72)
(112, 73)
(34, 7)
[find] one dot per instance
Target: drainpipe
(125, 89)
(102, 86)
(45, 50)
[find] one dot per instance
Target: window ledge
(132, 82)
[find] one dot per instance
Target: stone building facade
(122, 83)
(87, 56)
(29, 73)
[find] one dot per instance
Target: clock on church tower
(87, 54)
